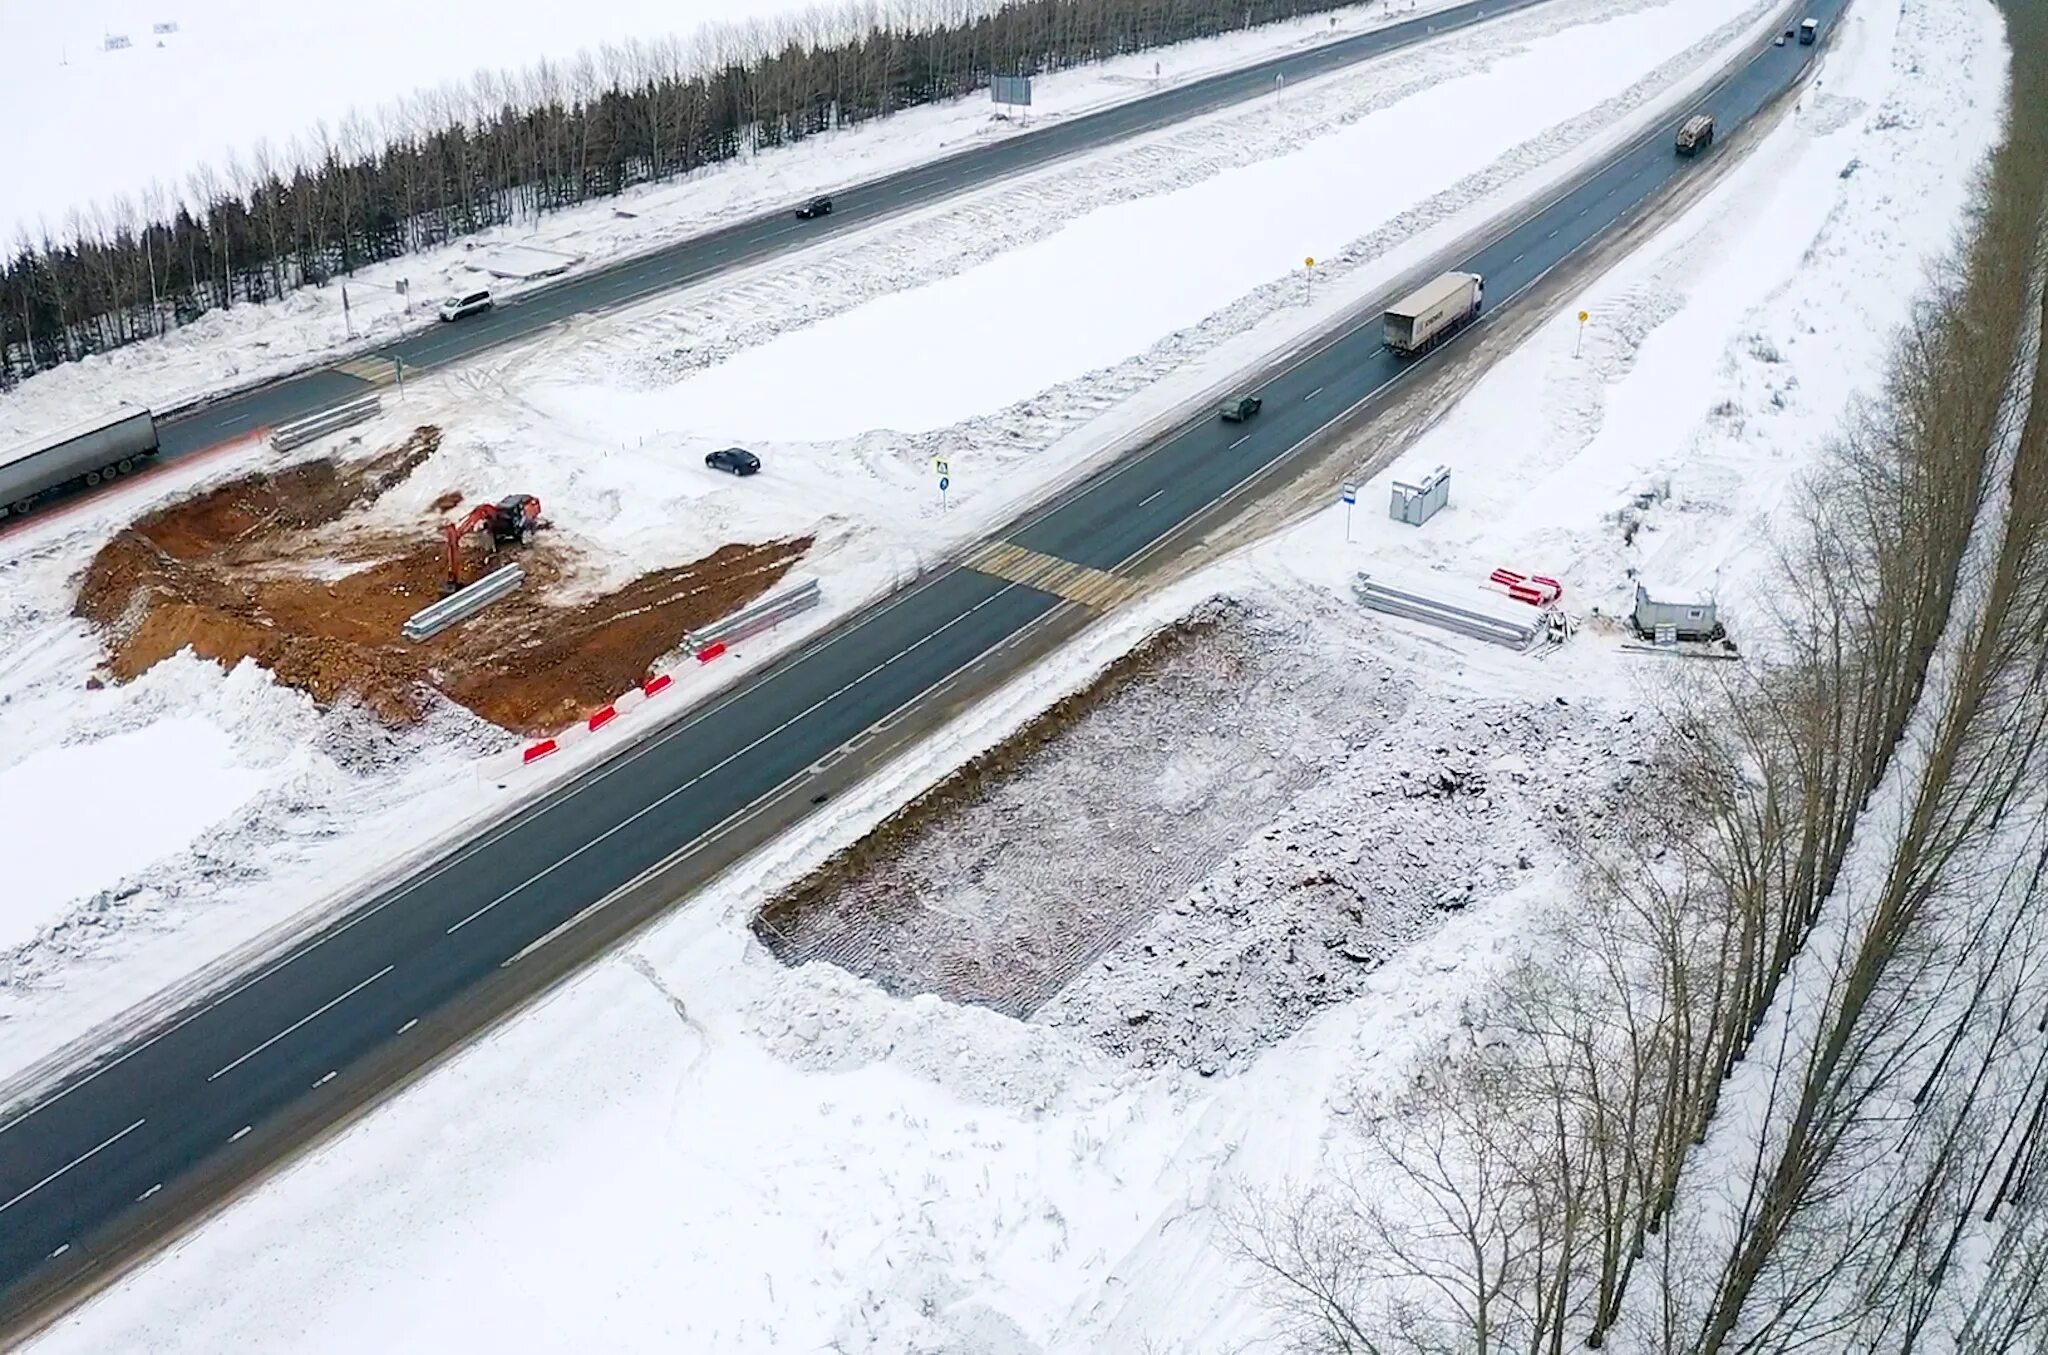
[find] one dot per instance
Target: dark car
(738, 460)
(816, 207)
(1240, 409)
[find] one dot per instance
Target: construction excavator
(510, 521)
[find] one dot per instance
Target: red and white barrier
(649, 687)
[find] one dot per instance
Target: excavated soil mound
(268, 568)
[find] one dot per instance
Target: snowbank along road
(94, 1161)
(762, 237)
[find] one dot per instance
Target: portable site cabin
(1678, 620)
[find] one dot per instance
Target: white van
(472, 303)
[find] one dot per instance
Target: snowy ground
(228, 349)
(230, 65)
(694, 1147)
(633, 493)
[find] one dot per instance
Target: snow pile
(1455, 800)
(97, 810)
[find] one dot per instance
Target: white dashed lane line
(323, 1007)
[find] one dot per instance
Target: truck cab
(1696, 134)
(1809, 32)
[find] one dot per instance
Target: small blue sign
(943, 483)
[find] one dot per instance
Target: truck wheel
(92, 477)
(20, 507)
(109, 472)
(126, 464)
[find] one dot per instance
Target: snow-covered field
(694, 1147)
(229, 349)
(633, 495)
(232, 65)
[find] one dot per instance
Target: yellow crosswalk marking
(376, 371)
(1049, 574)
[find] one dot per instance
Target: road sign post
(1350, 500)
(1308, 273)
(1581, 337)
(945, 470)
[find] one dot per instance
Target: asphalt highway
(83, 1164)
(762, 237)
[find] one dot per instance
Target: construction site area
(1229, 828)
(281, 568)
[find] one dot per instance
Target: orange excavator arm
(479, 516)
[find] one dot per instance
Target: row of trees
(459, 160)
(1783, 1083)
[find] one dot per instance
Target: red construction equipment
(511, 520)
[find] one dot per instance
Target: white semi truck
(86, 454)
(1432, 313)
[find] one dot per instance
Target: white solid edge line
(90, 1152)
(330, 1003)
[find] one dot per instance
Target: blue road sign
(1350, 494)
(944, 483)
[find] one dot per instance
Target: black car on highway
(816, 207)
(738, 460)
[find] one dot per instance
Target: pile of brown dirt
(266, 568)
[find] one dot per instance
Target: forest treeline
(454, 162)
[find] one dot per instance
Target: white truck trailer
(1432, 313)
(86, 454)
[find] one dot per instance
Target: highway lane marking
(1312, 395)
(325, 1006)
(329, 1077)
(1097, 588)
(60, 1251)
(236, 1137)
(408, 1025)
(1240, 442)
(731, 757)
(88, 1153)
(773, 793)
(372, 370)
(1149, 497)
(147, 1193)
